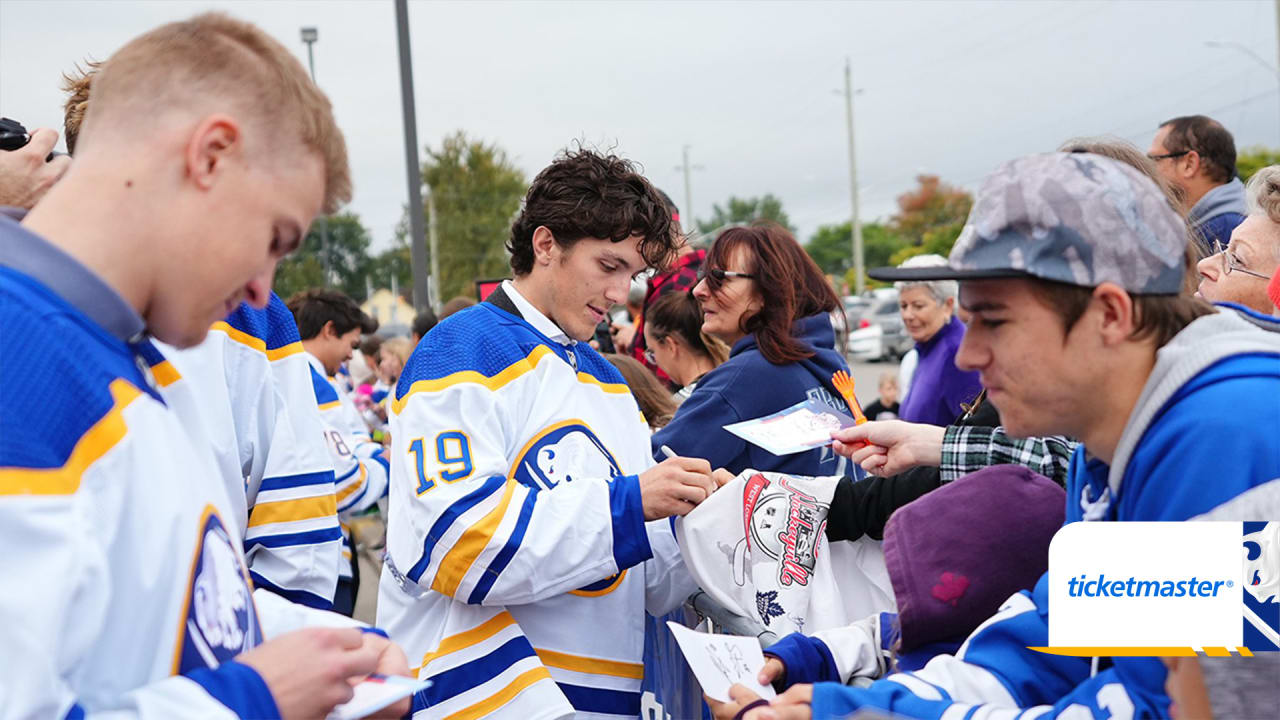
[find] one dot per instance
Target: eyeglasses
(716, 277)
(1167, 156)
(1230, 264)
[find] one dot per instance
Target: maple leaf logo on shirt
(767, 606)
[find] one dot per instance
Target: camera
(14, 136)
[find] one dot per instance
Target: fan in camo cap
(1074, 218)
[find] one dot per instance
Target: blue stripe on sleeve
(310, 537)
(460, 506)
(284, 482)
(239, 687)
(381, 458)
(75, 713)
(455, 681)
(302, 597)
(630, 541)
(508, 551)
(354, 469)
(601, 700)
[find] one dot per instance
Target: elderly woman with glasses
(762, 295)
(1238, 273)
(938, 390)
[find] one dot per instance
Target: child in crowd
(886, 406)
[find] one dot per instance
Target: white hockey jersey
(360, 466)
(519, 565)
(250, 388)
(124, 578)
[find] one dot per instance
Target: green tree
(931, 206)
(746, 210)
(831, 247)
(348, 258)
(1253, 159)
(477, 191)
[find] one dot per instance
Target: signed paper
(803, 426)
(375, 693)
(719, 661)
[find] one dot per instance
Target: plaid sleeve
(967, 449)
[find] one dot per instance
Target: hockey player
(519, 562)
(330, 324)
(1071, 265)
(250, 393)
(206, 154)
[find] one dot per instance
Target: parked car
(876, 331)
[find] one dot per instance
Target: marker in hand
(667, 451)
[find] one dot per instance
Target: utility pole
(418, 247)
(858, 258)
(435, 248)
(309, 36)
(688, 193)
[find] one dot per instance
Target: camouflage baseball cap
(1074, 218)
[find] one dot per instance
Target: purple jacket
(938, 386)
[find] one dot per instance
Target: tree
(348, 258)
(477, 191)
(744, 211)
(931, 206)
(831, 247)
(1253, 159)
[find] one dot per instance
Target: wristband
(749, 707)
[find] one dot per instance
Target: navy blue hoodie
(748, 386)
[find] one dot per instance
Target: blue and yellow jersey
(519, 562)
(127, 581)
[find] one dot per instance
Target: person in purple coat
(938, 388)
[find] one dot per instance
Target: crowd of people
(180, 471)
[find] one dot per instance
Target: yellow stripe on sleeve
(455, 563)
(593, 666)
(165, 373)
(504, 376)
(359, 483)
(503, 696)
(474, 636)
(96, 442)
(330, 405)
(616, 388)
(257, 343)
(307, 508)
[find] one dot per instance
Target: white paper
(719, 661)
(803, 426)
(375, 693)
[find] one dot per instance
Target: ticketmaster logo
(1133, 587)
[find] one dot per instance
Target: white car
(866, 342)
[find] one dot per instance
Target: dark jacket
(863, 507)
(748, 386)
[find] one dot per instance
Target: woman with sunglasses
(1238, 273)
(763, 296)
(675, 342)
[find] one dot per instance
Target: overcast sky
(950, 88)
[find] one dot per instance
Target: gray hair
(939, 289)
(1262, 197)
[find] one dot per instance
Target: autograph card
(803, 426)
(719, 661)
(376, 692)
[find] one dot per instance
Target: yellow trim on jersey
(616, 388)
(257, 343)
(330, 405)
(617, 580)
(458, 561)
(306, 508)
(96, 442)
(463, 640)
(503, 696)
(165, 373)
(592, 666)
(494, 382)
(359, 483)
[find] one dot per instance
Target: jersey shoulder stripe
(70, 389)
(326, 395)
(271, 330)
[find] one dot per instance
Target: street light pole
(1257, 58)
(856, 224)
(309, 36)
(418, 250)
